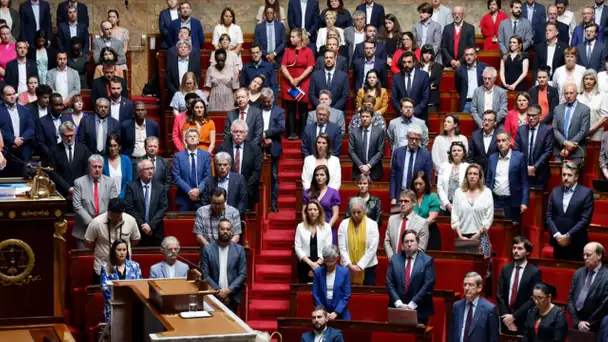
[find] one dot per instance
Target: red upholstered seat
(599, 237)
(81, 271)
(447, 237)
(449, 274)
(438, 320)
(497, 238)
(467, 126)
(172, 207)
(448, 81)
(600, 214)
(94, 308)
(182, 230)
(560, 278)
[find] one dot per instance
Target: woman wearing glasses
(546, 322)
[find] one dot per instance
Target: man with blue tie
(374, 13)
(17, 128)
(569, 212)
(411, 82)
(410, 278)
(305, 14)
(258, 66)
(474, 318)
(407, 161)
(336, 81)
(536, 15)
(571, 122)
(323, 125)
(190, 169)
(592, 52)
(400, 126)
(270, 36)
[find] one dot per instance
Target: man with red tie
(410, 278)
(406, 220)
(515, 286)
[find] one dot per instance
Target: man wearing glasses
(489, 97)
(399, 127)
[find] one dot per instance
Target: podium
(32, 260)
(148, 310)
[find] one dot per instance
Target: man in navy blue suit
(323, 125)
(135, 131)
(507, 177)
(553, 42)
(17, 129)
(40, 107)
(569, 212)
(368, 62)
(563, 29)
(63, 14)
(165, 18)
(371, 32)
(34, 16)
(465, 86)
(474, 318)
(535, 13)
(321, 332)
(47, 128)
(64, 30)
(270, 36)
(374, 13)
(186, 19)
(234, 183)
(95, 129)
(410, 278)
(258, 66)
(408, 161)
(483, 141)
(304, 14)
(413, 83)
(331, 79)
(274, 119)
(592, 52)
(535, 141)
(12, 75)
(579, 34)
(121, 108)
(190, 169)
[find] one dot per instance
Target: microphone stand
(195, 270)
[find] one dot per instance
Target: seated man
(407, 219)
(270, 36)
(398, 127)
(190, 169)
(489, 97)
(106, 39)
(311, 131)
(17, 129)
(408, 161)
(68, 160)
(321, 332)
(15, 74)
(170, 267)
(335, 115)
(135, 131)
(329, 78)
(63, 79)
(101, 85)
(341, 61)
(233, 183)
(225, 266)
(208, 218)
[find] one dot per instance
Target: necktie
(328, 78)
(580, 300)
(96, 197)
(147, 202)
(237, 159)
(408, 83)
(467, 325)
(365, 144)
(567, 120)
(408, 268)
(321, 129)
(243, 115)
(153, 160)
(271, 43)
(514, 289)
(588, 50)
(531, 152)
(193, 180)
(400, 243)
(410, 168)
(514, 26)
(70, 154)
(100, 142)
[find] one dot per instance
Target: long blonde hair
(465, 183)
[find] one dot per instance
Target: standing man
(270, 36)
(489, 97)
(34, 15)
(250, 114)
(366, 147)
(100, 88)
(259, 66)
(170, 267)
(209, 216)
(468, 77)
(135, 132)
(536, 15)
(321, 332)
(563, 29)
(107, 39)
(17, 128)
(333, 44)
(369, 61)
(336, 116)
(406, 220)
(121, 108)
(40, 107)
(63, 12)
(47, 128)
(20, 69)
(190, 169)
(427, 31)
(549, 52)
(483, 141)
(186, 20)
(455, 38)
(411, 83)
(398, 128)
(179, 64)
(371, 35)
(579, 35)
(374, 13)
(162, 172)
(147, 201)
(355, 35)
(95, 129)
(441, 14)
(474, 318)
(304, 14)
(569, 213)
(73, 26)
(410, 278)
(233, 183)
(570, 126)
(515, 287)
(601, 16)
(592, 53)
(63, 79)
(323, 125)
(336, 81)
(274, 127)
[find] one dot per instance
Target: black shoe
(274, 208)
(293, 137)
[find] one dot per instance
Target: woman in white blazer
(443, 142)
(450, 176)
(312, 232)
(358, 242)
(321, 155)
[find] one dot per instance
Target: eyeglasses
(538, 298)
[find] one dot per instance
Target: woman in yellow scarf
(358, 241)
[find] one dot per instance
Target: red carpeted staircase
(269, 297)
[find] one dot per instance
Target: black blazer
(82, 13)
(237, 191)
(63, 173)
(173, 81)
(477, 151)
(254, 120)
(11, 76)
(339, 88)
(99, 89)
(125, 111)
(33, 108)
(63, 36)
(461, 80)
(552, 96)
(136, 207)
(51, 54)
(359, 69)
(467, 38)
(541, 57)
(375, 153)
(435, 79)
(46, 134)
(127, 133)
(529, 278)
(552, 328)
(87, 131)
(162, 171)
(543, 149)
(251, 166)
(597, 59)
(575, 221)
(276, 128)
(28, 21)
(595, 307)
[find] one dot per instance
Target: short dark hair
(459, 144)
(547, 69)
(254, 45)
(220, 52)
(223, 219)
(111, 137)
(527, 244)
(191, 96)
(410, 231)
(456, 122)
(564, 2)
(597, 27)
(535, 107)
(514, 2)
(217, 192)
(370, 41)
(113, 260)
(43, 89)
(425, 8)
(56, 95)
(319, 308)
(489, 111)
(116, 205)
(498, 3)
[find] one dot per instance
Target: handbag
(263, 336)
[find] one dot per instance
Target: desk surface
(26, 333)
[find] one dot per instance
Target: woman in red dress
(296, 67)
(490, 23)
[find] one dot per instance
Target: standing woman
(518, 116)
(408, 43)
(29, 96)
(312, 235)
(197, 118)
(189, 85)
(11, 16)
(570, 72)
(450, 176)
(330, 21)
(278, 10)
(597, 103)
(116, 165)
(390, 32)
(7, 49)
(372, 203)
(220, 82)
(232, 59)
(514, 66)
(427, 206)
(373, 87)
(331, 285)
(442, 145)
(255, 91)
(435, 71)
(321, 155)
(44, 55)
(489, 25)
(328, 197)
(296, 67)
(546, 322)
(118, 32)
(228, 26)
(343, 18)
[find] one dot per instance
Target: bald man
(571, 122)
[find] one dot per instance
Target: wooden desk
(27, 333)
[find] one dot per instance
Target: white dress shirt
(303, 4)
(36, 10)
(472, 80)
(368, 13)
(487, 139)
(330, 279)
(22, 72)
(602, 80)
(115, 108)
(501, 180)
(61, 83)
(266, 117)
(42, 112)
(182, 67)
(488, 99)
(140, 138)
(550, 54)
(411, 304)
(170, 270)
(173, 13)
(223, 279)
(15, 120)
(522, 267)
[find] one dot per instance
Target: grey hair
(490, 70)
(267, 92)
(324, 107)
(139, 164)
(102, 99)
(330, 252)
(192, 130)
(95, 157)
(138, 103)
(222, 156)
(358, 201)
(167, 240)
(242, 89)
(184, 42)
(415, 129)
(475, 275)
(150, 138)
(66, 126)
(505, 133)
(325, 92)
(590, 72)
(241, 123)
(358, 14)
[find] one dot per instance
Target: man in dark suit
(274, 119)
(587, 303)
(178, 65)
(250, 114)
(12, 75)
(147, 201)
(483, 141)
(258, 66)
(412, 83)
(407, 162)
(571, 122)
(507, 177)
(234, 183)
(369, 61)
(121, 108)
(63, 13)
(536, 15)
(515, 287)
(190, 169)
(543, 76)
(40, 107)
(371, 34)
(592, 52)
(323, 125)
(320, 318)
(162, 171)
(304, 15)
(47, 128)
(562, 29)
(247, 158)
(31, 21)
(270, 36)
(101, 85)
(342, 64)
(465, 86)
(455, 38)
(542, 47)
(569, 212)
(184, 34)
(331, 79)
(366, 147)
(579, 36)
(65, 28)
(535, 141)
(17, 129)
(230, 284)
(374, 13)
(134, 132)
(95, 129)
(186, 19)
(165, 18)
(474, 318)
(68, 159)
(410, 278)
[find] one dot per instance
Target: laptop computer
(403, 317)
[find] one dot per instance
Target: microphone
(190, 263)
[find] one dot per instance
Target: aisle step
(268, 309)
(269, 291)
(278, 239)
(271, 274)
